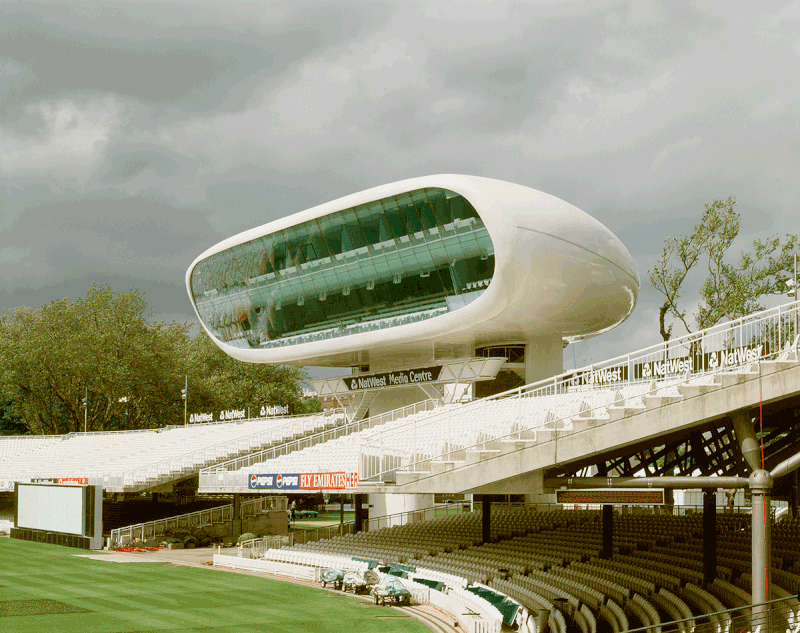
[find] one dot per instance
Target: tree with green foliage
(101, 352)
(105, 352)
(10, 422)
(731, 289)
(217, 382)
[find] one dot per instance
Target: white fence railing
(721, 348)
(225, 475)
(194, 460)
(198, 519)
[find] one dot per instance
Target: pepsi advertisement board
(274, 481)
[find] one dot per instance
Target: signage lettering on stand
(303, 481)
(83, 481)
(227, 415)
(279, 481)
(273, 410)
(398, 378)
(708, 361)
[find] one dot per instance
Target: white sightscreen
(55, 508)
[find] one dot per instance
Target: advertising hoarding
(303, 481)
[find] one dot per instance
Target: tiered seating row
(136, 458)
(551, 562)
(446, 433)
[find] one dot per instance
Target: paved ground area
(192, 557)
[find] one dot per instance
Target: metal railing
(251, 548)
(256, 548)
(722, 348)
(217, 475)
(200, 518)
(774, 616)
(152, 473)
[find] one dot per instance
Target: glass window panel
(457, 207)
(235, 258)
(424, 209)
(408, 213)
(469, 210)
(293, 242)
(427, 269)
(318, 241)
(331, 233)
(370, 218)
(438, 202)
(352, 236)
(394, 218)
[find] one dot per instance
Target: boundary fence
(200, 518)
(256, 548)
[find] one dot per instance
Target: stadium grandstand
(656, 490)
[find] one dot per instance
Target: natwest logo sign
(399, 378)
(222, 416)
(273, 410)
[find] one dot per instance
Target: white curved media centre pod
(416, 269)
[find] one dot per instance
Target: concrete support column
(399, 509)
(341, 514)
(608, 532)
(793, 498)
(709, 535)
(761, 546)
(236, 523)
(155, 497)
(486, 519)
(544, 357)
(358, 501)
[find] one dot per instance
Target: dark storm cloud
(129, 164)
(138, 134)
(167, 56)
(70, 240)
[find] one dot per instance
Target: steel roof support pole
(486, 518)
(608, 531)
(761, 546)
(709, 535)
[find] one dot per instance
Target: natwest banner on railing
(303, 481)
(227, 415)
(708, 361)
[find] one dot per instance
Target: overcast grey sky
(135, 135)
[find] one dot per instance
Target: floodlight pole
(185, 395)
(86, 409)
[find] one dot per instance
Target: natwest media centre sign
(400, 378)
(303, 481)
